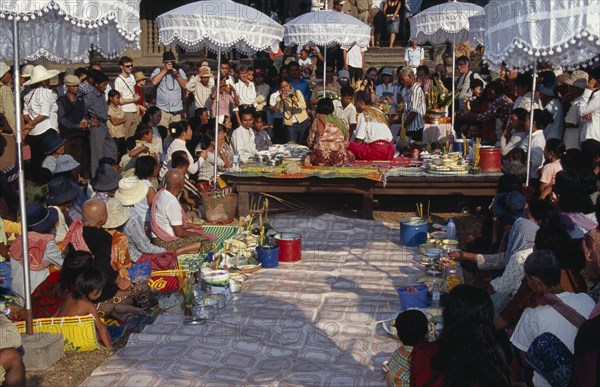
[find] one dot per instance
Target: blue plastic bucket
(413, 231)
(413, 299)
(458, 146)
(268, 258)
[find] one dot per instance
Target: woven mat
(305, 323)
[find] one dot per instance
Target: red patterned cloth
(160, 261)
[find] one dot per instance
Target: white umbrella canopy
(521, 32)
(449, 22)
(327, 28)
(63, 30)
(219, 25)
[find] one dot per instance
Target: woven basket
(220, 209)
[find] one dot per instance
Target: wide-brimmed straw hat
(578, 79)
(139, 76)
(39, 74)
(117, 214)
(4, 68)
(71, 80)
(131, 191)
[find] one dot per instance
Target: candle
(267, 210)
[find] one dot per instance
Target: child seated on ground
(261, 136)
(412, 329)
(88, 288)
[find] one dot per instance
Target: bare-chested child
(88, 287)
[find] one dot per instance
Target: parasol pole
(453, 80)
(325, 64)
(218, 91)
(22, 202)
(531, 124)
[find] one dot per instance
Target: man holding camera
(170, 81)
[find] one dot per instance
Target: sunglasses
(128, 66)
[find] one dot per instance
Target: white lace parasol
(327, 28)
(449, 22)
(64, 30)
(520, 33)
(219, 25)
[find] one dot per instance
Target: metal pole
(531, 124)
(453, 81)
(324, 71)
(22, 203)
(218, 91)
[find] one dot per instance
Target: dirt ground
(74, 368)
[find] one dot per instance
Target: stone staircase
(394, 57)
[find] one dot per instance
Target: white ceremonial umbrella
(450, 22)
(327, 28)
(220, 26)
(61, 31)
(520, 33)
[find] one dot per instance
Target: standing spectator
(116, 122)
(551, 104)
(7, 101)
(125, 85)
(523, 86)
(225, 72)
(411, 8)
(423, 78)
(391, 9)
(290, 101)
(590, 111)
(140, 83)
(363, 9)
(463, 83)
(415, 106)
(245, 91)
(96, 112)
(199, 86)
(354, 62)
(263, 90)
(574, 125)
(414, 56)
(541, 119)
(74, 127)
(40, 111)
(228, 99)
(295, 80)
(387, 91)
(499, 109)
(170, 81)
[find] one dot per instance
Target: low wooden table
(409, 185)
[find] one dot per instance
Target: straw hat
(26, 70)
(139, 76)
(71, 80)
(131, 191)
(578, 79)
(39, 74)
(4, 68)
(205, 72)
(117, 214)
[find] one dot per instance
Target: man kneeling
(169, 225)
(372, 138)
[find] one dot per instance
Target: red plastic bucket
(490, 159)
(290, 246)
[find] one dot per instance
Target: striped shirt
(414, 98)
(399, 367)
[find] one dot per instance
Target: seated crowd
(112, 174)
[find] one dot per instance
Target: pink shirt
(225, 100)
(549, 172)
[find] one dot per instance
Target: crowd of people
(114, 166)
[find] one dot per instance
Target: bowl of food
(215, 277)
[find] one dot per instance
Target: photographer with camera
(292, 104)
(170, 82)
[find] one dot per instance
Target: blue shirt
(303, 86)
(168, 92)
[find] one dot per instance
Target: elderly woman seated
(169, 225)
(328, 137)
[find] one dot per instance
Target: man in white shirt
(344, 108)
(354, 62)
(574, 124)
(523, 87)
(590, 111)
(552, 105)
(245, 91)
(242, 139)
(199, 85)
(542, 272)
(372, 138)
(414, 56)
(169, 228)
(125, 84)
